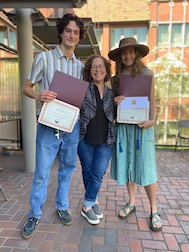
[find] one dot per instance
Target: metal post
(25, 55)
(1, 190)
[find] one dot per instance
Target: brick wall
(105, 40)
(164, 11)
(178, 11)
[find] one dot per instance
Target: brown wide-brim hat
(126, 42)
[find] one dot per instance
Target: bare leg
(131, 191)
(151, 193)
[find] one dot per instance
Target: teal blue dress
(132, 164)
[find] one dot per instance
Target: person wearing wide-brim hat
(128, 42)
(130, 164)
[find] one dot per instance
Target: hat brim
(142, 49)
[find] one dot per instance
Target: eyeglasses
(99, 66)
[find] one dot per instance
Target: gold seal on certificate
(59, 115)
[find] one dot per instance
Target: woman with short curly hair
(96, 133)
(88, 63)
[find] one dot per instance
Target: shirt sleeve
(82, 67)
(36, 71)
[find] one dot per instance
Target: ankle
(131, 203)
(154, 209)
(86, 208)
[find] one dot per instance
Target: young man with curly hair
(70, 31)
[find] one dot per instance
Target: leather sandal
(154, 215)
(132, 209)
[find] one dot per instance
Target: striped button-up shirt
(45, 64)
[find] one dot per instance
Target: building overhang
(42, 3)
(45, 33)
(48, 34)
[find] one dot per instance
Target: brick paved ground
(112, 234)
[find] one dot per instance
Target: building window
(128, 32)
(140, 33)
(115, 37)
(3, 34)
(187, 34)
(175, 35)
(163, 37)
(13, 40)
(98, 33)
(176, 38)
(8, 37)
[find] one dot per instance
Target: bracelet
(153, 119)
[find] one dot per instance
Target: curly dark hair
(87, 68)
(61, 23)
(137, 69)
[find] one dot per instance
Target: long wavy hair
(137, 69)
(87, 68)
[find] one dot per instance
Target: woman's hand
(146, 124)
(118, 99)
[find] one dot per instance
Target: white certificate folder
(133, 109)
(59, 115)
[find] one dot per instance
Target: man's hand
(44, 96)
(47, 96)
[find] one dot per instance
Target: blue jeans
(47, 147)
(94, 161)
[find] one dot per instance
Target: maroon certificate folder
(139, 85)
(68, 88)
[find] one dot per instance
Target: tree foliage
(171, 81)
(170, 74)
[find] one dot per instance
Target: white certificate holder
(132, 110)
(59, 115)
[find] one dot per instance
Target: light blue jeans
(47, 147)
(94, 161)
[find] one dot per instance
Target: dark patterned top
(88, 111)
